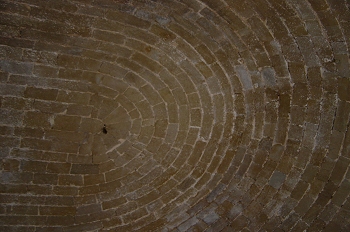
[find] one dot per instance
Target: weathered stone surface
(277, 179)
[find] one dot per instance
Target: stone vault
(174, 115)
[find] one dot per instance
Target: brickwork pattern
(174, 115)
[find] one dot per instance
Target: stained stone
(277, 179)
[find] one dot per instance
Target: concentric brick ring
(175, 115)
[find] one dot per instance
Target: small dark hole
(104, 129)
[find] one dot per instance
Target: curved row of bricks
(175, 115)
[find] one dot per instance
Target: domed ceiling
(174, 115)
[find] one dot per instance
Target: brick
(299, 190)
(113, 203)
(292, 52)
(146, 62)
(37, 119)
(135, 215)
(11, 165)
(195, 117)
(344, 89)
(128, 19)
(107, 25)
(11, 90)
(67, 123)
(29, 132)
(76, 180)
(151, 95)
(24, 210)
(281, 132)
(73, 97)
(88, 190)
(65, 190)
(277, 179)
(49, 107)
(23, 68)
(204, 69)
(85, 169)
(41, 57)
(108, 36)
(38, 144)
(284, 106)
(46, 210)
(10, 117)
(67, 61)
(6, 141)
(93, 179)
(86, 226)
(115, 49)
(33, 166)
(162, 33)
(15, 8)
(341, 194)
(297, 72)
(60, 168)
(45, 179)
(65, 136)
(89, 64)
(23, 220)
(342, 116)
(300, 93)
(88, 209)
(339, 170)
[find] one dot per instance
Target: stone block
(277, 179)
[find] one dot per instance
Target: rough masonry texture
(174, 115)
